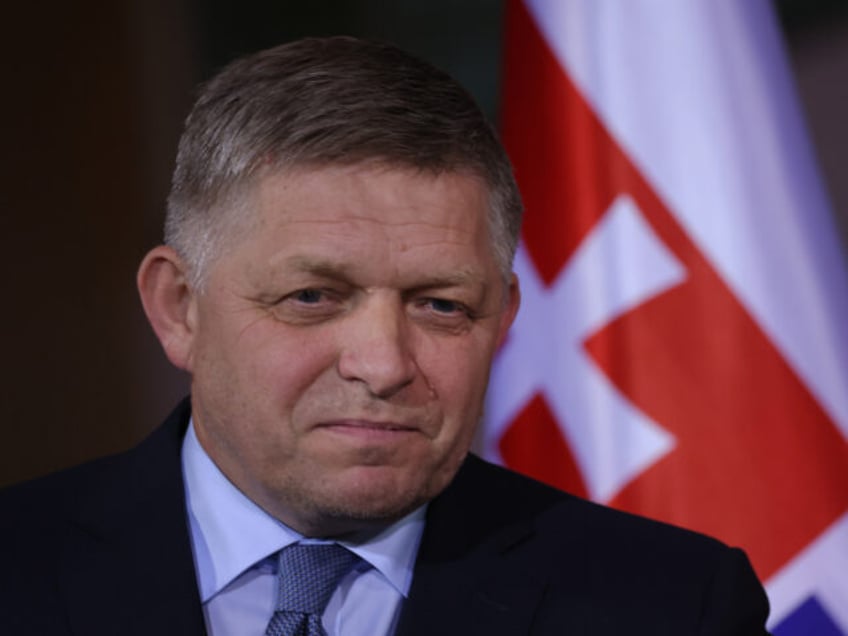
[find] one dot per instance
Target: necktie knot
(308, 575)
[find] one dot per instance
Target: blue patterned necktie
(308, 576)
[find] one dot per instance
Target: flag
(682, 347)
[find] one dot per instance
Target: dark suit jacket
(104, 549)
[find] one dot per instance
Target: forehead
(382, 210)
(372, 191)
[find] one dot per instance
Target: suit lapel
(451, 601)
(465, 579)
(127, 566)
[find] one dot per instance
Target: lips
(369, 433)
(366, 426)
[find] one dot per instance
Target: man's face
(341, 350)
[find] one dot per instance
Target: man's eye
(441, 314)
(444, 306)
(308, 296)
(310, 305)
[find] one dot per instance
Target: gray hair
(327, 101)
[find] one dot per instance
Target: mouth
(368, 430)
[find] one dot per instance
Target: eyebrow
(338, 270)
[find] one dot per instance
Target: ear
(513, 301)
(169, 302)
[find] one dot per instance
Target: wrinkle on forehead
(357, 180)
(332, 268)
(369, 218)
(356, 224)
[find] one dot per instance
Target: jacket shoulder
(48, 499)
(62, 536)
(616, 569)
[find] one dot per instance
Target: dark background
(93, 95)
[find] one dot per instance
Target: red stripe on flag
(757, 461)
(555, 149)
(534, 441)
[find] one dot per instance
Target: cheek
(260, 367)
(283, 363)
(457, 371)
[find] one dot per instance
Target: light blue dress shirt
(235, 543)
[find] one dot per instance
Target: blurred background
(93, 100)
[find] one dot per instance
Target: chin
(358, 498)
(334, 519)
(364, 506)
(375, 500)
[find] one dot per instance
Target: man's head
(336, 280)
(318, 102)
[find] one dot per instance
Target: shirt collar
(230, 533)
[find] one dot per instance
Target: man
(336, 278)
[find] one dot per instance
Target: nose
(376, 348)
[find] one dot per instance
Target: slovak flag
(682, 347)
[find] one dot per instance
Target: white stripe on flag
(699, 95)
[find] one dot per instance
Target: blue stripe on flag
(810, 619)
